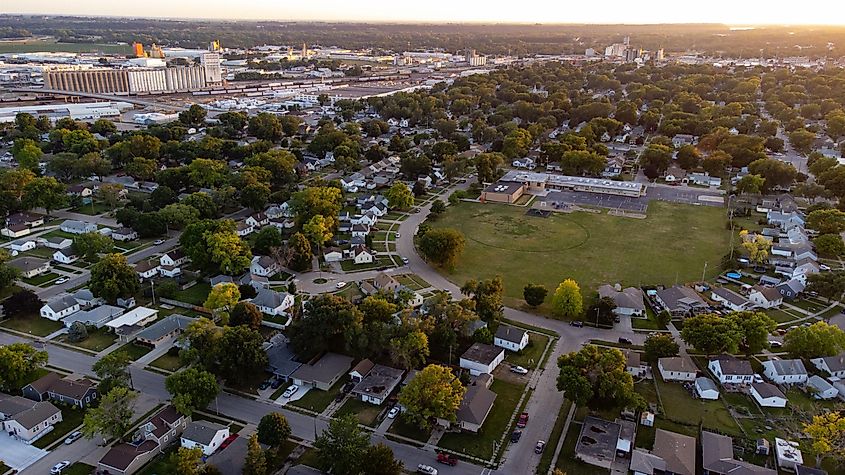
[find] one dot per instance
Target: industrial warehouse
(516, 183)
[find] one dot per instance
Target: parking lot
(596, 199)
(685, 195)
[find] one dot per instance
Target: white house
(634, 365)
(243, 229)
(360, 230)
(629, 301)
(481, 358)
(706, 388)
(730, 370)
(832, 365)
(332, 255)
(58, 242)
(65, 256)
(677, 368)
(785, 371)
(26, 419)
(124, 234)
(204, 435)
(257, 220)
(767, 395)
(272, 302)
(147, 269)
(59, 308)
(362, 255)
(788, 454)
(22, 245)
(510, 338)
(730, 299)
(264, 266)
(819, 388)
(765, 297)
(73, 226)
(173, 258)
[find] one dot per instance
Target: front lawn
(167, 362)
(318, 400)
(409, 429)
(71, 419)
(671, 244)
(93, 209)
(79, 468)
(40, 279)
(350, 266)
(133, 351)
(530, 356)
(33, 325)
(98, 340)
(481, 444)
(367, 413)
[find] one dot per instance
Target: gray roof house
(95, 317)
(475, 407)
(324, 373)
(162, 330)
(597, 442)
(629, 301)
(717, 457)
(281, 360)
(680, 300)
(77, 227)
(377, 385)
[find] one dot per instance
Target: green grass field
(33, 325)
(366, 413)
(672, 244)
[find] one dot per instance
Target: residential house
(175, 257)
(476, 405)
(204, 435)
(59, 307)
(73, 226)
(58, 242)
(680, 140)
(147, 269)
(730, 299)
(362, 255)
(677, 368)
(785, 371)
(93, 317)
(597, 442)
(361, 370)
(765, 297)
(30, 267)
(264, 266)
(21, 224)
(629, 301)
(634, 365)
(675, 174)
(672, 454)
(788, 455)
(510, 338)
(819, 388)
(704, 179)
(360, 230)
(257, 220)
(613, 167)
(86, 298)
(332, 254)
(271, 302)
(79, 393)
(791, 288)
(384, 282)
(243, 229)
(717, 457)
(706, 388)
(767, 395)
(377, 385)
(324, 373)
(785, 221)
(481, 358)
(163, 330)
(124, 234)
(731, 371)
(281, 360)
(22, 245)
(834, 366)
(65, 256)
(680, 301)
(128, 324)
(27, 420)
(161, 431)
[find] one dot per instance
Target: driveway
(17, 454)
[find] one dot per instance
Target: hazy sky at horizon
(828, 12)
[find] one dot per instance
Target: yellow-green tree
(187, 461)
(567, 301)
(399, 196)
(756, 247)
(229, 251)
(827, 433)
(221, 299)
(318, 229)
(434, 392)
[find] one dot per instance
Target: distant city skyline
(807, 12)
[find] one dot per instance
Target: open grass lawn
(42, 252)
(831, 313)
(71, 419)
(679, 406)
(58, 233)
(530, 356)
(167, 362)
(311, 458)
(195, 295)
(93, 210)
(367, 413)
(40, 279)
(408, 429)
(783, 316)
(411, 281)
(673, 243)
(566, 461)
(98, 340)
(134, 351)
(79, 468)
(317, 400)
(481, 444)
(350, 292)
(34, 325)
(350, 266)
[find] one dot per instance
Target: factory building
(138, 81)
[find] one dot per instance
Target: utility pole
(704, 271)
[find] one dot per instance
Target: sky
(733, 12)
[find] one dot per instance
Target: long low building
(516, 183)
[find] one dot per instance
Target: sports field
(670, 245)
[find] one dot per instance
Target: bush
(77, 332)
(167, 289)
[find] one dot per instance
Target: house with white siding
(785, 371)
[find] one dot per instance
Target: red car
(227, 441)
(448, 459)
(523, 420)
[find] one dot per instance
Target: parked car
(158, 242)
(59, 467)
(515, 435)
(290, 391)
(276, 384)
(265, 384)
(541, 444)
(61, 280)
(577, 323)
(523, 420)
(426, 469)
(398, 235)
(775, 344)
(519, 370)
(758, 378)
(340, 285)
(394, 411)
(227, 441)
(348, 387)
(73, 437)
(404, 260)
(625, 341)
(448, 459)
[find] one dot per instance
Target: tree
(110, 193)
(596, 375)
(438, 207)
(141, 168)
(487, 297)
(818, 340)
(830, 245)
(827, 221)
(399, 196)
(244, 354)
(487, 166)
(410, 350)
(750, 184)
(77, 332)
(300, 250)
(342, 445)
(194, 116)
(802, 140)
(255, 196)
(112, 277)
(178, 215)
(273, 429)
(203, 203)
(89, 245)
(775, 172)
(207, 173)
(191, 389)
(381, 461)
(329, 320)
(516, 143)
(103, 127)
(27, 153)
(603, 311)
(245, 313)
(187, 461)
(268, 238)
(221, 298)
(113, 416)
(567, 301)
(827, 284)
(229, 252)
(660, 345)
(44, 192)
(24, 303)
(17, 360)
(657, 157)
(113, 371)
(716, 163)
(757, 248)
(534, 294)
(256, 461)
(434, 393)
(827, 433)
(711, 334)
(754, 329)
(442, 246)
(266, 126)
(688, 157)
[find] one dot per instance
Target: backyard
(671, 245)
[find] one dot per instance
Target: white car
(824, 267)
(393, 412)
(158, 242)
(519, 370)
(61, 280)
(290, 391)
(76, 435)
(426, 469)
(398, 235)
(59, 467)
(404, 260)
(340, 285)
